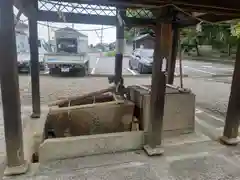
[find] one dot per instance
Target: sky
(109, 35)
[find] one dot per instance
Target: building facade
(144, 41)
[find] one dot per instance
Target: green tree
(217, 35)
(129, 34)
(189, 40)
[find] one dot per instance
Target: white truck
(70, 53)
(23, 52)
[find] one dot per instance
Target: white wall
(22, 42)
(82, 45)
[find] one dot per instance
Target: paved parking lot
(203, 77)
(105, 65)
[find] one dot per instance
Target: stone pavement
(193, 161)
(25, 113)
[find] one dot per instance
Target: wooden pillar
(154, 137)
(230, 134)
(167, 43)
(119, 48)
(10, 92)
(34, 61)
(173, 56)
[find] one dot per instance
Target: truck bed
(65, 58)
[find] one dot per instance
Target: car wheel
(140, 69)
(130, 65)
(53, 71)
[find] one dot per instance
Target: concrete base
(179, 110)
(71, 147)
(35, 115)
(230, 141)
(157, 151)
(17, 170)
(33, 134)
(194, 152)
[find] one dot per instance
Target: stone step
(134, 165)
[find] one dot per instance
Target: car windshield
(147, 53)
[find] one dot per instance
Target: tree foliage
(220, 36)
(235, 29)
(129, 34)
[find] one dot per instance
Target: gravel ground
(210, 94)
(52, 88)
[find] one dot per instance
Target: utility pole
(48, 32)
(101, 40)
(134, 43)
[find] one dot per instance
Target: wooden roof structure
(157, 13)
(136, 13)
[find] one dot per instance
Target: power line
(80, 30)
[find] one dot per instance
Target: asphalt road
(105, 65)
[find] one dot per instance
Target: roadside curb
(222, 75)
(129, 75)
(107, 75)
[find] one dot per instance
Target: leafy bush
(110, 53)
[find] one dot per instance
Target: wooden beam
(80, 97)
(34, 59)
(154, 136)
(230, 134)
(224, 8)
(173, 56)
(137, 22)
(24, 6)
(119, 51)
(10, 92)
(76, 18)
(93, 19)
(166, 42)
(233, 6)
(207, 17)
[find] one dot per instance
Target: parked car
(141, 60)
(23, 58)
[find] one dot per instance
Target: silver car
(141, 60)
